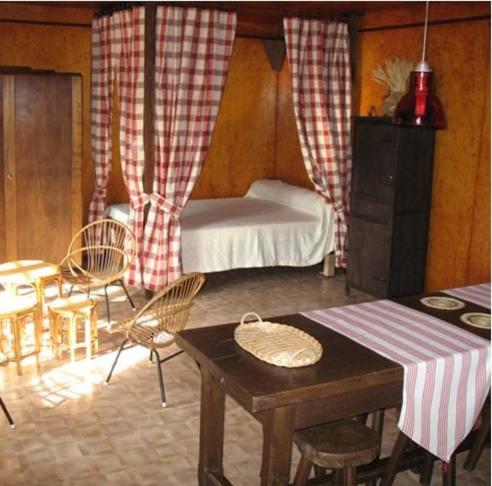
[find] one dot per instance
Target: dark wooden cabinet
(40, 164)
(390, 206)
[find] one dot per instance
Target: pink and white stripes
(319, 63)
(446, 369)
(478, 294)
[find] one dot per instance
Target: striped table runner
(446, 369)
(478, 294)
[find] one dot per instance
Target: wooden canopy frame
(274, 48)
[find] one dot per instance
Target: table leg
(278, 429)
(212, 414)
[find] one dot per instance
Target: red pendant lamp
(419, 107)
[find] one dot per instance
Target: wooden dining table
(349, 380)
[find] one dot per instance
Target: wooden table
(30, 272)
(348, 380)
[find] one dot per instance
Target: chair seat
(335, 445)
(80, 280)
(150, 337)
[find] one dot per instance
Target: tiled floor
(73, 430)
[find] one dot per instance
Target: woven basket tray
(277, 344)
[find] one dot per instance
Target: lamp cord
(425, 30)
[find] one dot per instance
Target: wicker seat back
(101, 252)
(166, 314)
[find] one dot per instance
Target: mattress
(275, 224)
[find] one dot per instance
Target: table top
(26, 271)
(345, 366)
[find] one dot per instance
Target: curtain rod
(228, 7)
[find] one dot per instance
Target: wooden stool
(70, 311)
(17, 310)
(344, 444)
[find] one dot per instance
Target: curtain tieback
(99, 192)
(140, 201)
(167, 206)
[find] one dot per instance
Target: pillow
(288, 195)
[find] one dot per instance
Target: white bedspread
(275, 224)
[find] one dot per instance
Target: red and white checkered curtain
(101, 97)
(129, 42)
(192, 58)
(318, 55)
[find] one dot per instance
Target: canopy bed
(274, 224)
(189, 50)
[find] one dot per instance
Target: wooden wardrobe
(40, 164)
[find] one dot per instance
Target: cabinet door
(369, 256)
(374, 163)
(41, 150)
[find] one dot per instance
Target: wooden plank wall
(256, 137)
(459, 242)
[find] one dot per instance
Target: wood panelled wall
(255, 134)
(459, 242)
(58, 39)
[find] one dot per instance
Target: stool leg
(394, 462)
(38, 336)
(302, 473)
(17, 344)
(59, 335)
(72, 338)
(94, 330)
(349, 476)
(88, 338)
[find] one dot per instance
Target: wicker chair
(98, 256)
(157, 323)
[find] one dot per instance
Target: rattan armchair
(98, 256)
(157, 323)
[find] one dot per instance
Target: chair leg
(116, 360)
(108, 313)
(161, 381)
(123, 286)
(70, 291)
(7, 414)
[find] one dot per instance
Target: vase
(390, 101)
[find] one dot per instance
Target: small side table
(65, 314)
